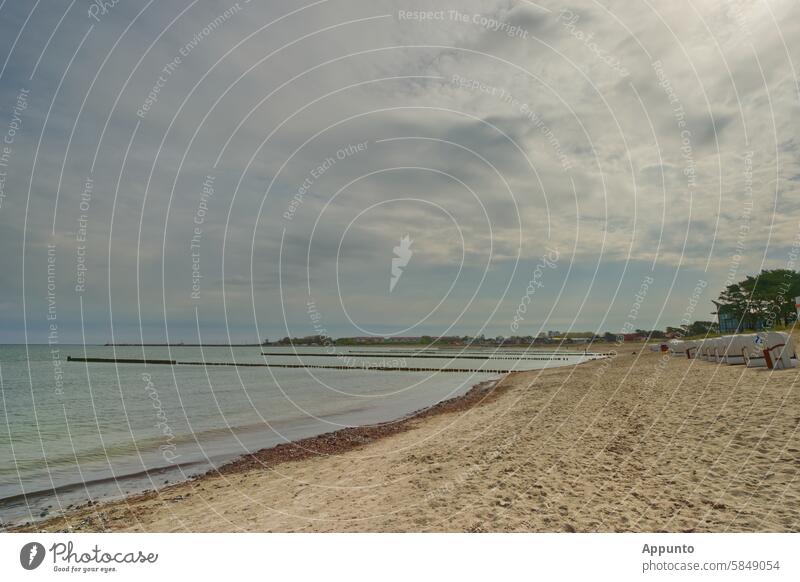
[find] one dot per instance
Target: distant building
(730, 322)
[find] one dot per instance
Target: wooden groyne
(389, 355)
(249, 365)
(239, 364)
(120, 361)
(388, 369)
(530, 355)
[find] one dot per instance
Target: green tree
(775, 290)
(767, 298)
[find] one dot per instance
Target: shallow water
(74, 431)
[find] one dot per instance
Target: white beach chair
(702, 346)
(720, 345)
(717, 349)
(686, 348)
(706, 348)
(779, 351)
(730, 350)
(677, 347)
(693, 348)
(701, 353)
(753, 350)
(709, 345)
(716, 345)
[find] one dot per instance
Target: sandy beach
(638, 442)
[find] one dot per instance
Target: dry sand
(626, 444)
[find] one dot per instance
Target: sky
(208, 171)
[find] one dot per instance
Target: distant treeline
(757, 302)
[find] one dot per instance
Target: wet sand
(638, 442)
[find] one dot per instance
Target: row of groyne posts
(365, 367)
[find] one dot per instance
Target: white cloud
(659, 172)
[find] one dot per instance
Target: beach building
(730, 322)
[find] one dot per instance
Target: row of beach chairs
(773, 350)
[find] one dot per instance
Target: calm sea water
(74, 431)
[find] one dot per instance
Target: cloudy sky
(203, 170)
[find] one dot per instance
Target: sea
(74, 431)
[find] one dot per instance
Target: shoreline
(634, 443)
(135, 484)
(325, 444)
(348, 439)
